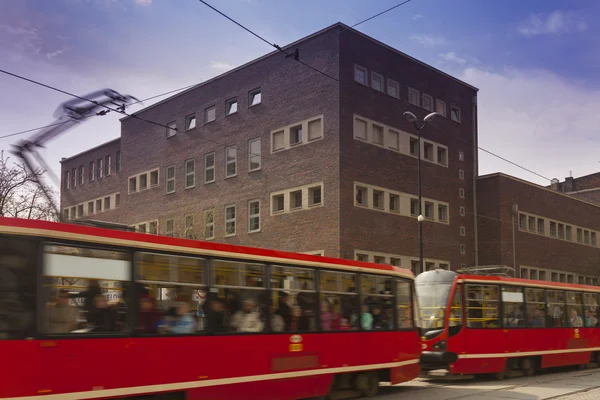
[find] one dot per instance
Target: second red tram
(504, 326)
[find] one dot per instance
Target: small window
(210, 114)
(462, 231)
(80, 210)
(154, 178)
(378, 199)
(579, 233)
(378, 134)
(462, 211)
(393, 141)
(209, 224)
(378, 260)
(315, 129)
(295, 135)
(170, 227)
(254, 158)
(254, 97)
(106, 203)
(231, 106)
(553, 229)
(98, 205)
(362, 257)
(190, 174)
(171, 129)
(99, 168)
(428, 151)
(254, 216)
(461, 156)
(81, 174)
(67, 180)
(443, 212)
(377, 81)
(278, 140)
(73, 178)
(461, 193)
(463, 249)
(315, 196)
(561, 231)
(396, 262)
(230, 220)
(143, 179)
(440, 107)
(91, 171)
(414, 207)
(394, 203)
(361, 196)
(153, 228)
(531, 224)
(90, 210)
(209, 168)
(569, 233)
(278, 203)
(593, 239)
(413, 97)
(360, 75)
(427, 102)
(414, 146)
(170, 179)
(428, 210)
(442, 155)
(189, 232)
(540, 226)
(455, 113)
(393, 89)
(132, 185)
(230, 162)
(461, 174)
(190, 122)
(295, 199)
(360, 129)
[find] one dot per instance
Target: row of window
(296, 199)
(390, 138)
(496, 306)
(96, 170)
(210, 112)
(378, 82)
(178, 295)
(297, 134)
(544, 274)
(403, 261)
(93, 207)
(556, 229)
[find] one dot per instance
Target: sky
(535, 63)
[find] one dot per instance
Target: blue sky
(536, 63)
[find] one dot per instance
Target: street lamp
(413, 118)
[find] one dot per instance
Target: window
(73, 178)
(171, 129)
(378, 301)
(360, 75)
(362, 257)
(569, 233)
(461, 156)
(107, 203)
(361, 196)
(482, 306)
(561, 231)
(377, 81)
(314, 196)
(315, 129)
(189, 232)
(296, 199)
(442, 155)
(153, 228)
(153, 178)
(132, 185)
(553, 229)
(278, 140)
(170, 184)
(254, 158)
(190, 174)
(461, 174)
(254, 216)
(209, 224)
(428, 210)
(455, 113)
(393, 140)
(556, 307)
(80, 210)
(230, 220)
(462, 231)
(210, 114)
(172, 277)
(428, 151)
(91, 171)
(427, 102)
(81, 175)
(414, 207)
(590, 301)
(463, 249)
(170, 227)
(118, 162)
(293, 290)
(393, 88)
(107, 166)
(378, 134)
(99, 168)
(278, 203)
(396, 262)
(462, 211)
(190, 122)
(338, 288)
(90, 210)
(360, 129)
(579, 235)
(230, 162)
(593, 239)
(413, 97)
(254, 97)
(394, 203)
(442, 212)
(231, 106)
(209, 167)
(513, 315)
(378, 199)
(66, 214)
(98, 205)
(295, 135)
(414, 146)
(461, 193)
(440, 107)
(143, 180)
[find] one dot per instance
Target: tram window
(404, 305)
(294, 300)
(483, 306)
(18, 259)
(536, 307)
(238, 299)
(575, 309)
(376, 303)
(85, 290)
(456, 312)
(512, 304)
(590, 302)
(339, 301)
(172, 294)
(556, 308)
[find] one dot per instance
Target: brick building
(585, 187)
(275, 154)
(542, 233)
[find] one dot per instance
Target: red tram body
(260, 365)
(474, 324)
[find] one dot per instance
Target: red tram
(87, 312)
(504, 326)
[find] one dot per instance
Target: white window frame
(461, 156)
(206, 111)
(431, 101)
(209, 224)
(251, 216)
(188, 174)
(440, 104)
(92, 171)
(365, 72)
(171, 129)
(391, 82)
(188, 121)
(167, 179)
(416, 93)
(461, 193)
(452, 108)
(81, 174)
(230, 220)
(234, 162)
(210, 168)
(305, 192)
(107, 165)
(253, 156)
(378, 75)
(251, 94)
(228, 104)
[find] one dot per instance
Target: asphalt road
(565, 385)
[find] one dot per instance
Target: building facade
(275, 154)
(540, 232)
(585, 187)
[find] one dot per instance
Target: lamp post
(413, 118)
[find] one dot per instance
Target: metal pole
(420, 202)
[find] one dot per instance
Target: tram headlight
(441, 345)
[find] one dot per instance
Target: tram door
(455, 320)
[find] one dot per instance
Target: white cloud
(417, 17)
(538, 120)
(453, 58)
(429, 40)
(53, 54)
(143, 2)
(221, 66)
(555, 23)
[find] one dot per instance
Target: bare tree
(20, 194)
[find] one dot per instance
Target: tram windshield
(433, 289)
